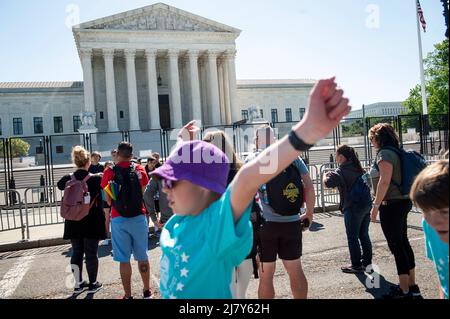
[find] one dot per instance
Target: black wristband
(298, 143)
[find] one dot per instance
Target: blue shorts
(129, 235)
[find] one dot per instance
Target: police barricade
(11, 213)
(41, 206)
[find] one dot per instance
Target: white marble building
(149, 68)
(380, 109)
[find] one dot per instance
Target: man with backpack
(123, 186)
(282, 201)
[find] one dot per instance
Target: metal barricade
(329, 197)
(11, 214)
(41, 206)
(315, 178)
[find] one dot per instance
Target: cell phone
(305, 223)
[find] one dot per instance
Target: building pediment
(157, 17)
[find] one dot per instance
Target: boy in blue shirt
(430, 193)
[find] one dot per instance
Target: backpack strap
(93, 202)
(87, 177)
(72, 177)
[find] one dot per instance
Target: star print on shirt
(180, 287)
(172, 297)
(184, 272)
(184, 257)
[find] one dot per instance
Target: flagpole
(422, 72)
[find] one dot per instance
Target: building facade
(380, 110)
(146, 69)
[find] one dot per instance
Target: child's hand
(327, 107)
(189, 131)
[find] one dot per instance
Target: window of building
(17, 126)
(288, 115)
(102, 115)
(244, 114)
(1, 133)
(121, 114)
(261, 113)
(76, 123)
(59, 149)
(274, 115)
(58, 124)
(38, 124)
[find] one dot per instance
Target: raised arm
(326, 108)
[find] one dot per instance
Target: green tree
(19, 148)
(436, 82)
(354, 128)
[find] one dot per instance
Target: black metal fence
(41, 160)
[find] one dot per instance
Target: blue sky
(281, 39)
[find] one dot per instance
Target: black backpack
(286, 192)
(129, 200)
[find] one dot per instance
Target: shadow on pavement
(375, 284)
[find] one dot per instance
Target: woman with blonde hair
(86, 233)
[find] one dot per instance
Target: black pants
(394, 222)
(88, 248)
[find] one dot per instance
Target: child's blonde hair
(222, 142)
(80, 156)
(430, 189)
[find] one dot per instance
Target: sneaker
(105, 242)
(148, 294)
(415, 291)
(95, 287)
(82, 287)
(397, 293)
(352, 270)
(126, 298)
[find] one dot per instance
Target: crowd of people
(221, 221)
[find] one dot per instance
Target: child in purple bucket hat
(210, 232)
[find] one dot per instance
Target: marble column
(88, 80)
(130, 56)
(220, 73)
(195, 85)
(153, 99)
(174, 87)
(213, 81)
(226, 91)
(232, 86)
(108, 55)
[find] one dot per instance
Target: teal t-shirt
(200, 252)
(437, 251)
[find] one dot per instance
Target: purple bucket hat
(198, 162)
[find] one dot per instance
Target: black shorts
(282, 239)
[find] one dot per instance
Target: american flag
(421, 17)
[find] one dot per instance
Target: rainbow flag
(108, 191)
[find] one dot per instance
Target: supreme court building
(150, 68)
